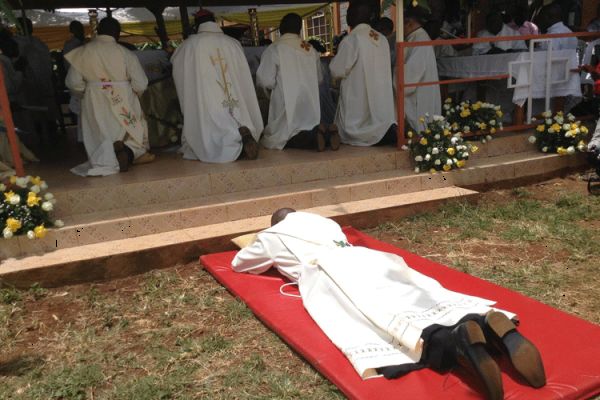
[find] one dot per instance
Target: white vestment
(566, 43)
(420, 65)
(110, 78)
(370, 304)
(482, 48)
(216, 94)
(366, 104)
(291, 69)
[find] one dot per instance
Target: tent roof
(54, 4)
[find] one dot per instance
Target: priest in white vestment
(221, 116)
(365, 112)
(291, 70)
(371, 304)
(495, 27)
(420, 65)
(550, 22)
(109, 78)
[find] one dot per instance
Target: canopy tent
(270, 17)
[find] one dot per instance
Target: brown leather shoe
(502, 333)
(321, 137)
(473, 357)
(121, 155)
(334, 137)
(249, 144)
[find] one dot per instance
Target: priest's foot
(321, 137)
(473, 357)
(122, 156)
(249, 144)
(502, 333)
(334, 137)
(144, 159)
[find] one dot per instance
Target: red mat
(570, 346)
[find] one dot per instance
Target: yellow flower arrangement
(559, 133)
(8, 195)
(13, 224)
(465, 113)
(451, 151)
(33, 200)
(40, 231)
(423, 141)
(479, 119)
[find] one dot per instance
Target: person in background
(495, 27)
(326, 99)
(522, 24)
(594, 25)
(77, 37)
(385, 26)
(550, 21)
(434, 29)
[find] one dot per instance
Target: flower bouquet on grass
(25, 207)
(437, 148)
(480, 120)
(560, 134)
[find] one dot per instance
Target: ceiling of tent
(54, 4)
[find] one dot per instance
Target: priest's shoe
(471, 355)
(502, 333)
(334, 137)
(321, 137)
(249, 144)
(122, 156)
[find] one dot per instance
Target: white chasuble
(291, 69)
(110, 78)
(216, 94)
(369, 303)
(420, 65)
(366, 105)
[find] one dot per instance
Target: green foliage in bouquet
(480, 119)
(560, 134)
(25, 207)
(438, 148)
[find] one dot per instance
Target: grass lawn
(177, 334)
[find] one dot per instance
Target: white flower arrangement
(25, 208)
(480, 119)
(437, 148)
(556, 136)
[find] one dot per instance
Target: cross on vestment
(230, 102)
(305, 45)
(374, 35)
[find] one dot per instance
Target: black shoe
(334, 137)
(249, 144)
(321, 138)
(502, 333)
(122, 156)
(473, 357)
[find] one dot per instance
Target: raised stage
(171, 210)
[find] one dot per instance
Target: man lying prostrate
(387, 318)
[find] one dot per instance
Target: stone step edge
(121, 258)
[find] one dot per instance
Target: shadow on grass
(20, 365)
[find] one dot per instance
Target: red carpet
(570, 346)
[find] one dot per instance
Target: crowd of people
(230, 109)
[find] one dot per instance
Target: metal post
(10, 127)
(185, 21)
(93, 15)
(253, 26)
(400, 73)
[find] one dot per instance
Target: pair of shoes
(144, 159)
(472, 356)
(502, 334)
(328, 135)
(122, 156)
(249, 144)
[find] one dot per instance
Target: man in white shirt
(365, 112)
(495, 27)
(218, 100)
(291, 70)
(550, 21)
(109, 78)
(399, 319)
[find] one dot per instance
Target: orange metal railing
(401, 85)
(10, 127)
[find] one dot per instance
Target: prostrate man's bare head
(280, 215)
(110, 27)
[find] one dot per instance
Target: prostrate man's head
(291, 23)
(494, 22)
(110, 27)
(280, 215)
(385, 26)
(26, 25)
(358, 14)
(76, 29)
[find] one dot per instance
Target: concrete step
(159, 184)
(120, 258)
(85, 229)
